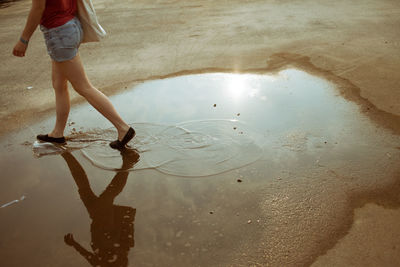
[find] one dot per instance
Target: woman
(63, 35)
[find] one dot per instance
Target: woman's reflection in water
(112, 225)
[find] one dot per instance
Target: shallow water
(213, 138)
(225, 169)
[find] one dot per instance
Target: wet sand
(291, 211)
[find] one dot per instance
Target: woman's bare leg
(74, 72)
(62, 101)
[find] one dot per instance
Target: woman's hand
(37, 9)
(19, 49)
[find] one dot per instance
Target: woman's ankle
(56, 134)
(122, 131)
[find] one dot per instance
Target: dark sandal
(121, 144)
(47, 138)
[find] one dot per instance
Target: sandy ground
(358, 41)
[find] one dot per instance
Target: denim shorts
(62, 42)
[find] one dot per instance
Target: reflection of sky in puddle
(292, 110)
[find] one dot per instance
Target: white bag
(92, 30)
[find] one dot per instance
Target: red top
(58, 12)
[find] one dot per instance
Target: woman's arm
(32, 22)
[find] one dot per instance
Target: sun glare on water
(241, 86)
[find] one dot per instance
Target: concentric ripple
(197, 148)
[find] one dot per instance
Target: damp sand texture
(229, 169)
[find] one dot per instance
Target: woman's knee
(60, 85)
(83, 90)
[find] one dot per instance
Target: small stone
(239, 180)
(234, 128)
(238, 114)
(29, 87)
(215, 105)
(211, 212)
(249, 222)
(178, 234)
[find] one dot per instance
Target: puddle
(212, 123)
(298, 148)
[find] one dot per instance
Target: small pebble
(249, 222)
(238, 114)
(239, 180)
(234, 128)
(211, 212)
(215, 105)
(179, 234)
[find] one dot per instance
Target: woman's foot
(50, 139)
(117, 144)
